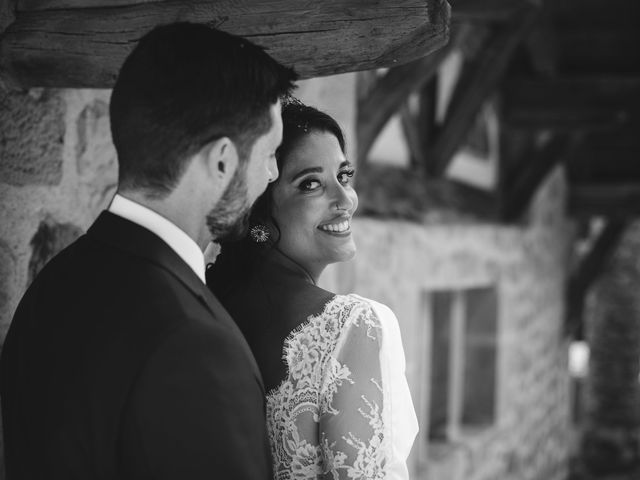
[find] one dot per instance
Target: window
(462, 381)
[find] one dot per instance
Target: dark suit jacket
(120, 363)
(268, 305)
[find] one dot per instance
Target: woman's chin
(345, 254)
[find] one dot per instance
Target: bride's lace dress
(343, 410)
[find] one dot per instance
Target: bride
(338, 404)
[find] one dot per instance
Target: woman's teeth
(339, 227)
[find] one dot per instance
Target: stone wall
(398, 261)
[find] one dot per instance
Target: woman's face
(313, 203)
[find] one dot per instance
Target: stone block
(32, 129)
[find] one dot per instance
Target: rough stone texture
(398, 262)
(32, 128)
(96, 159)
(50, 239)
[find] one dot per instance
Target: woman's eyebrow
(302, 173)
(345, 164)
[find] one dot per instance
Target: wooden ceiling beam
(571, 103)
(618, 200)
(479, 80)
(84, 47)
(588, 270)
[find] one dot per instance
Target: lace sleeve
(351, 402)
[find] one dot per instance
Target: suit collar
(176, 238)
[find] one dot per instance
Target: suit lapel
(134, 239)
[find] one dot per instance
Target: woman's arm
(352, 431)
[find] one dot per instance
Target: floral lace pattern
(325, 418)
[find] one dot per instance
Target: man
(119, 362)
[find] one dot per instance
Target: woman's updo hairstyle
(238, 259)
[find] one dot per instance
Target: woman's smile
(340, 226)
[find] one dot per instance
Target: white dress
(343, 410)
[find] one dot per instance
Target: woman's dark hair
(185, 85)
(237, 260)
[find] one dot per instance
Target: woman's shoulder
(365, 311)
(366, 305)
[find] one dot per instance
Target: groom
(119, 362)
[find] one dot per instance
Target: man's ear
(222, 160)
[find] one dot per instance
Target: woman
(338, 405)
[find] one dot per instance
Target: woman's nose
(343, 199)
(272, 169)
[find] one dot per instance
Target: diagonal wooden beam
(536, 168)
(588, 271)
(393, 89)
(71, 44)
(479, 80)
(426, 118)
(412, 135)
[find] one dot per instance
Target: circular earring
(259, 233)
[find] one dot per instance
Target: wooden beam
(572, 102)
(478, 82)
(621, 200)
(389, 93)
(7, 17)
(588, 271)
(391, 90)
(535, 169)
(7, 14)
(412, 135)
(84, 47)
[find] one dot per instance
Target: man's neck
(182, 216)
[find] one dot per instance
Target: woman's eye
(345, 177)
(308, 185)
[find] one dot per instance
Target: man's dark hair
(183, 86)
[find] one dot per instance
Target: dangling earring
(259, 233)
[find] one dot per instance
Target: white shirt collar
(177, 239)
